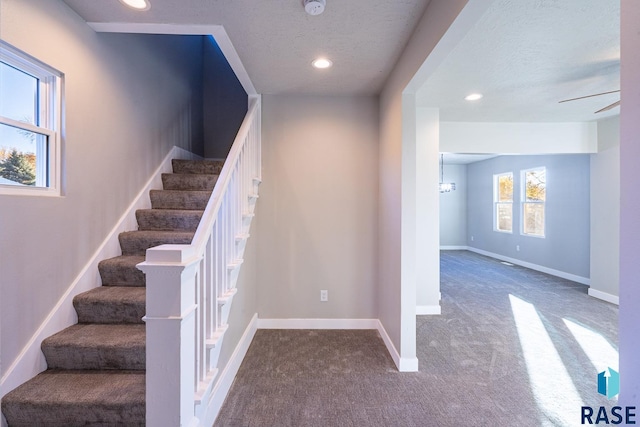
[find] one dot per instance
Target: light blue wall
(453, 208)
(567, 231)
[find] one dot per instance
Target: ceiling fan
(607, 108)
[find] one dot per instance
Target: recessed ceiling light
(322, 63)
(473, 97)
(137, 4)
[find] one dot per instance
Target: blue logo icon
(609, 383)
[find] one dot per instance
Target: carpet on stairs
(96, 368)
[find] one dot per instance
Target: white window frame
(496, 202)
(49, 123)
(523, 202)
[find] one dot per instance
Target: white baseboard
(318, 323)
(403, 364)
(613, 299)
(424, 310)
(454, 248)
(222, 387)
(31, 361)
(551, 271)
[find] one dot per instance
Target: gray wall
(566, 245)
(318, 207)
(225, 102)
(118, 126)
(605, 209)
(453, 208)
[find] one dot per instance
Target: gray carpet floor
(513, 347)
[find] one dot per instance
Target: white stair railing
(190, 288)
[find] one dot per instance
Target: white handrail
(190, 289)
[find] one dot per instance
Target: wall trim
(404, 364)
(318, 323)
(454, 248)
(423, 310)
(224, 383)
(543, 269)
(613, 299)
(217, 31)
(31, 361)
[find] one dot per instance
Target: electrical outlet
(324, 295)
(518, 248)
(472, 238)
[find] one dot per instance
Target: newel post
(170, 334)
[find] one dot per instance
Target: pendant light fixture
(445, 187)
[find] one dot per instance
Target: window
(534, 194)
(30, 95)
(503, 202)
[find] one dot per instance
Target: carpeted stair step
(137, 242)
(121, 271)
(175, 199)
(188, 181)
(111, 304)
(94, 346)
(197, 166)
(78, 398)
(168, 219)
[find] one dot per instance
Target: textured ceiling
(277, 40)
(525, 56)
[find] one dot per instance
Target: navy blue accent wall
(225, 101)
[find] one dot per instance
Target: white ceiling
(277, 40)
(525, 56)
(464, 159)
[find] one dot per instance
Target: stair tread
(197, 166)
(71, 398)
(137, 242)
(189, 181)
(119, 294)
(168, 219)
(97, 346)
(179, 199)
(122, 271)
(98, 335)
(111, 304)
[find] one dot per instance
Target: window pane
(504, 216)
(18, 95)
(536, 185)
(23, 157)
(534, 219)
(505, 188)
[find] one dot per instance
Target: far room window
(503, 202)
(30, 104)
(534, 195)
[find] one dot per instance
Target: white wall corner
(404, 364)
(426, 310)
(31, 361)
(225, 381)
(318, 323)
(613, 299)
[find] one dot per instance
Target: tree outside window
(533, 203)
(503, 202)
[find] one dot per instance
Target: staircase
(96, 368)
